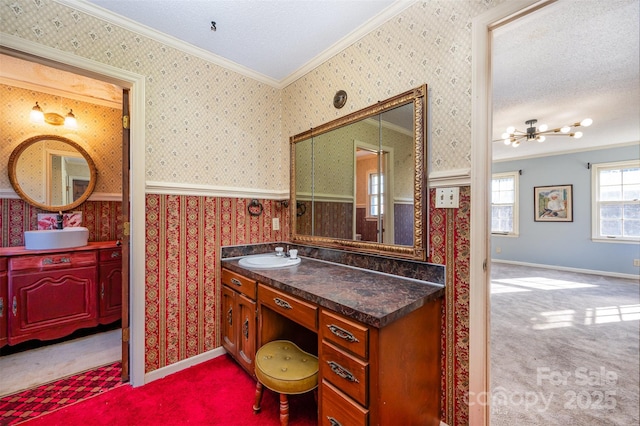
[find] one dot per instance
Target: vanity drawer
(53, 261)
(345, 333)
(346, 372)
(109, 255)
(239, 283)
(291, 307)
(339, 410)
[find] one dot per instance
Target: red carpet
(217, 392)
(49, 397)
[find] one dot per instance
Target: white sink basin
(268, 261)
(56, 238)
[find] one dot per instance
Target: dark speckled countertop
(373, 298)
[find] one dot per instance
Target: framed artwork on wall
(553, 203)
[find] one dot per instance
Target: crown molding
(143, 30)
(138, 28)
(373, 23)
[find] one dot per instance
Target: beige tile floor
(31, 368)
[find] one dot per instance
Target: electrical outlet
(275, 224)
(448, 198)
(636, 262)
(498, 249)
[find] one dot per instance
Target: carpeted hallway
(564, 348)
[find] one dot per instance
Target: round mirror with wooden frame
(52, 172)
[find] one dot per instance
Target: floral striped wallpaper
(183, 237)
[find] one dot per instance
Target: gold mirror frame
(13, 178)
(418, 97)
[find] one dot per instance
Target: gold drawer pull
(333, 421)
(282, 303)
(236, 282)
(1, 307)
(15, 306)
(342, 333)
(52, 261)
(342, 372)
(230, 316)
(115, 254)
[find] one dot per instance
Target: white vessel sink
(56, 238)
(268, 261)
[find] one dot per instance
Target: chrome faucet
(59, 221)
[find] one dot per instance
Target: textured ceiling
(566, 62)
(271, 37)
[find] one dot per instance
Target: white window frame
(370, 196)
(516, 203)
(595, 202)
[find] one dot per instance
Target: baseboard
(569, 269)
(184, 364)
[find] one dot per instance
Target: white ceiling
(569, 61)
(273, 38)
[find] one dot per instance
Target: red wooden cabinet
(110, 285)
(51, 295)
(3, 301)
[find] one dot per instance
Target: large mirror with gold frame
(52, 172)
(359, 182)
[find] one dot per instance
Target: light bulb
(565, 129)
(70, 120)
(586, 122)
(543, 128)
(505, 136)
(36, 115)
(515, 144)
(577, 135)
(507, 141)
(511, 129)
(541, 138)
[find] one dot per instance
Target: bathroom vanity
(377, 336)
(49, 294)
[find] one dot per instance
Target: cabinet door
(110, 288)
(229, 319)
(246, 329)
(4, 306)
(49, 305)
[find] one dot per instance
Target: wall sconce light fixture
(39, 116)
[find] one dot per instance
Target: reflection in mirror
(361, 179)
(52, 172)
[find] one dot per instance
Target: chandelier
(514, 136)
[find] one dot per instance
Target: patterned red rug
(30, 403)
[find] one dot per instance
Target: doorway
(135, 83)
(66, 178)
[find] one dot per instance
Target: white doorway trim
(479, 284)
(136, 83)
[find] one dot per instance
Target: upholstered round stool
(286, 369)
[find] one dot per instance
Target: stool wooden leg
(256, 406)
(284, 409)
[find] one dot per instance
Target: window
(616, 201)
(504, 203)
(376, 194)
